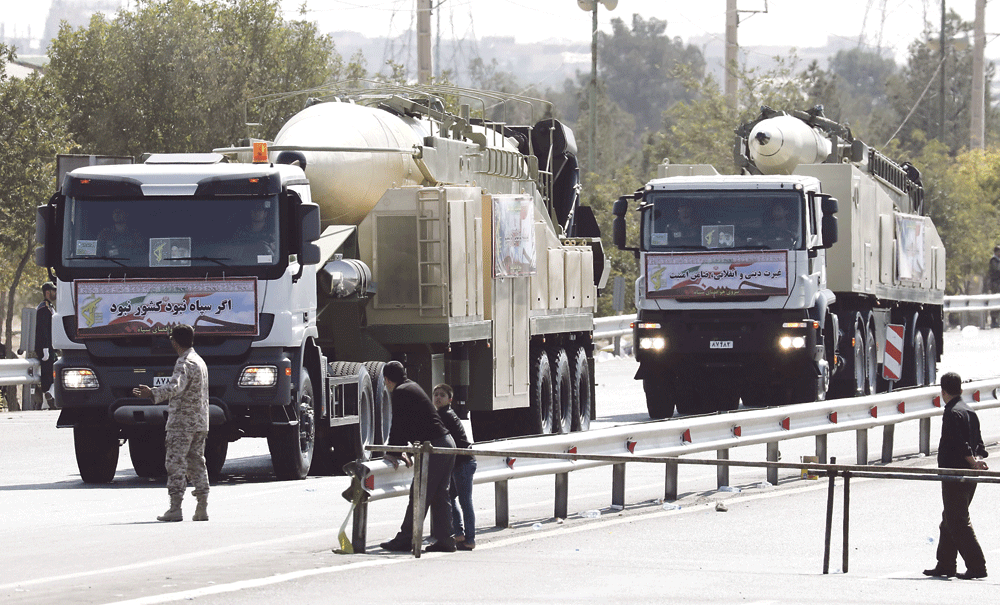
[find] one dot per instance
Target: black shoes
(441, 546)
(972, 575)
(939, 573)
(395, 545)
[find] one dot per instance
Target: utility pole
(732, 49)
(977, 132)
(424, 64)
(591, 7)
(944, 57)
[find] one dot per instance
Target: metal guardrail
(561, 454)
(973, 302)
(20, 371)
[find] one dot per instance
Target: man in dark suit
(43, 341)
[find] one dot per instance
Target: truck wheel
(539, 417)
(382, 401)
(583, 398)
(871, 362)
(930, 366)
(96, 452)
(148, 451)
(659, 402)
(562, 391)
(292, 446)
(349, 441)
(216, 449)
(919, 369)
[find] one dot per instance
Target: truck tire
(96, 448)
(539, 418)
(659, 402)
(382, 402)
(216, 450)
(292, 446)
(930, 367)
(860, 361)
(871, 361)
(349, 441)
(583, 397)
(148, 451)
(562, 391)
(919, 369)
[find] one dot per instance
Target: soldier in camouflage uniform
(187, 425)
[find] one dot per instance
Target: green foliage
(921, 74)
(32, 132)
(966, 211)
(173, 75)
(636, 64)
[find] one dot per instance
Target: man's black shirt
(960, 436)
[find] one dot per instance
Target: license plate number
(160, 381)
(720, 344)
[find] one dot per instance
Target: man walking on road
(961, 447)
(187, 425)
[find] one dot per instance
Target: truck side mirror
(620, 209)
(43, 221)
(309, 232)
(830, 207)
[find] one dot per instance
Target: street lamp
(591, 7)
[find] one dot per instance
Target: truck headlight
(792, 342)
(80, 378)
(259, 376)
(654, 343)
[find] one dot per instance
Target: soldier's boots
(201, 511)
(174, 512)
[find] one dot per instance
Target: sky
(890, 24)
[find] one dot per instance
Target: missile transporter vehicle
(780, 284)
(377, 226)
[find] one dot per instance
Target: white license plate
(720, 344)
(160, 381)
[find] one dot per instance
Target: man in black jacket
(415, 420)
(961, 447)
(43, 341)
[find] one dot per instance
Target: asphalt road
(270, 541)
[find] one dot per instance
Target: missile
(779, 144)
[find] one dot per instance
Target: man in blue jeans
(461, 477)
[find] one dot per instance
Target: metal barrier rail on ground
(657, 441)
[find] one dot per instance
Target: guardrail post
(420, 466)
(359, 529)
(862, 441)
(847, 517)
(670, 487)
(772, 456)
(925, 436)
(722, 470)
(832, 474)
(562, 496)
(618, 485)
(502, 509)
(888, 433)
(821, 449)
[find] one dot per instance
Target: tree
(920, 76)
(636, 65)
(860, 77)
(176, 75)
(32, 133)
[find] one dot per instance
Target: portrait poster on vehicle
(513, 236)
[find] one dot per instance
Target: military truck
(378, 225)
(780, 284)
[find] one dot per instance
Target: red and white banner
(892, 362)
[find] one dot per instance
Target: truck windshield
(171, 232)
(706, 220)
